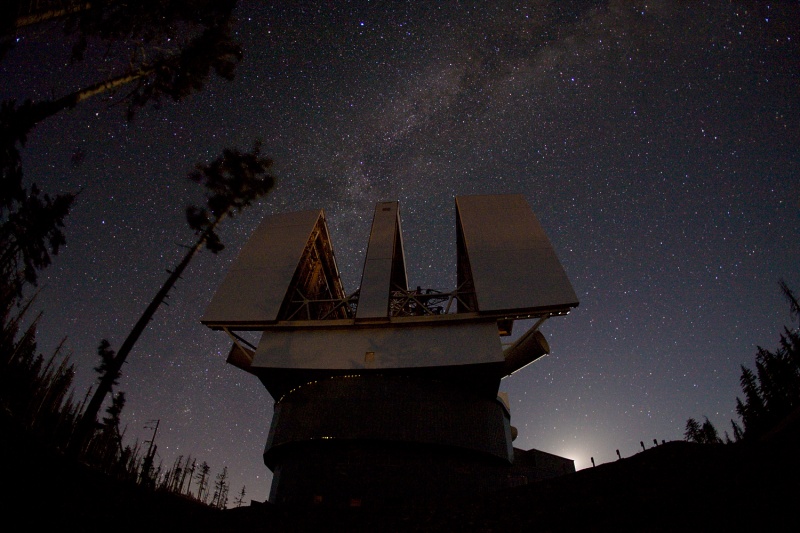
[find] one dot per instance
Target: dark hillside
(677, 486)
(43, 490)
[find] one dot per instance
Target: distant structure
(388, 396)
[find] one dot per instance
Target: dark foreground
(674, 487)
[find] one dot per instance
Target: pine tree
(148, 474)
(693, 433)
(710, 434)
(738, 432)
(233, 182)
(701, 434)
(31, 222)
(174, 476)
(773, 391)
(105, 369)
(33, 391)
(239, 500)
(220, 499)
(188, 471)
(111, 21)
(202, 481)
(51, 396)
(107, 447)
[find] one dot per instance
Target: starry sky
(657, 142)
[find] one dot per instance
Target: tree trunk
(44, 16)
(89, 418)
(43, 110)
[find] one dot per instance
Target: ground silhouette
(677, 486)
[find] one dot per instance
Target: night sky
(658, 144)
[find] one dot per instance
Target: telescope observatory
(389, 395)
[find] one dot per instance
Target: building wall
(377, 440)
(400, 409)
(380, 474)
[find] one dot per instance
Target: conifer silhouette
(220, 499)
(233, 182)
(771, 393)
(31, 222)
(110, 21)
(239, 500)
(201, 476)
(701, 434)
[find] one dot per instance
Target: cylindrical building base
(382, 475)
(378, 440)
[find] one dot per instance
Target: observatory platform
(390, 395)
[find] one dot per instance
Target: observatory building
(390, 395)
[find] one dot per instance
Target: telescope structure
(389, 396)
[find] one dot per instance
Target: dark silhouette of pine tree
(738, 432)
(201, 476)
(692, 433)
(239, 500)
(173, 476)
(34, 391)
(31, 222)
(771, 393)
(704, 433)
(233, 182)
(187, 471)
(220, 499)
(710, 435)
(105, 368)
(172, 76)
(111, 21)
(107, 445)
(148, 474)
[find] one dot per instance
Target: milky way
(657, 143)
